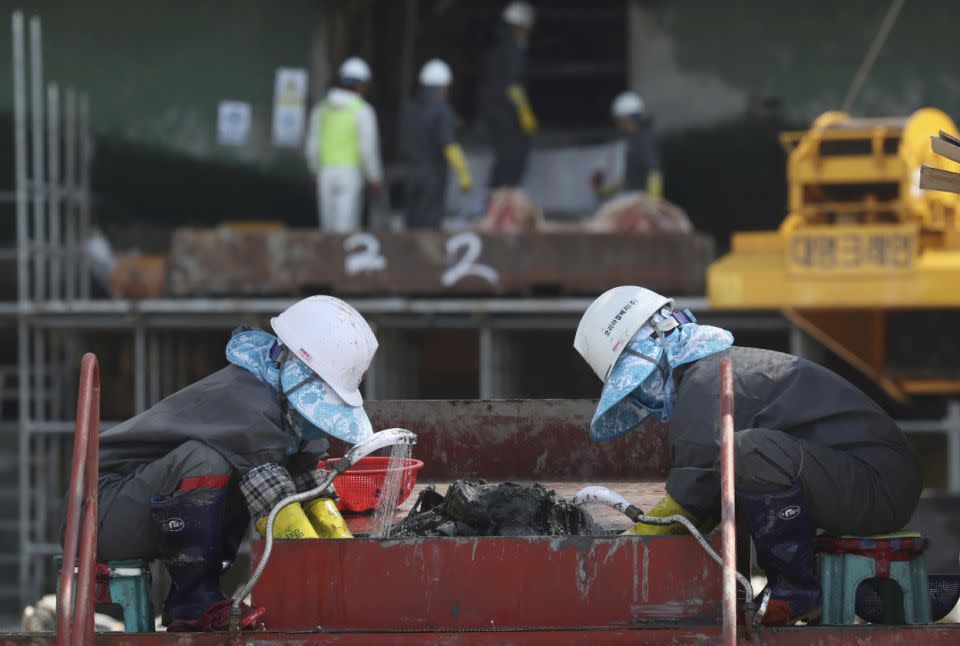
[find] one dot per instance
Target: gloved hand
(458, 162)
(668, 507)
(326, 519)
(262, 488)
(655, 184)
(528, 120)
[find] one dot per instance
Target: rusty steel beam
(522, 439)
(233, 262)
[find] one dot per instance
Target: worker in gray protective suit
(181, 481)
(811, 450)
(427, 146)
(641, 170)
(505, 107)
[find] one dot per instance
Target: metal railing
(77, 598)
(727, 505)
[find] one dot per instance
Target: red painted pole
(727, 508)
(81, 532)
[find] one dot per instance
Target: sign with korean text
(826, 250)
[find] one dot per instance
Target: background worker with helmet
(642, 163)
(811, 450)
(505, 107)
(181, 481)
(343, 149)
(428, 145)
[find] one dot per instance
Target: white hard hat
(611, 321)
(435, 73)
(518, 14)
(626, 104)
(332, 339)
(355, 69)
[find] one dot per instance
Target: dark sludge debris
(475, 508)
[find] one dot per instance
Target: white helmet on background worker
(611, 321)
(355, 69)
(333, 339)
(435, 73)
(519, 14)
(627, 104)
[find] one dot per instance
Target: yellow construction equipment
(865, 261)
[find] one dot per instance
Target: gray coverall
(224, 424)
(426, 128)
(642, 157)
(511, 145)
(795, 421)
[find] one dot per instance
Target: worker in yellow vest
(343, 149)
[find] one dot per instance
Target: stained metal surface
(231, 261)
(936, 635)
(487, 583)
(526, 439)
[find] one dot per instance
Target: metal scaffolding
(52, 154)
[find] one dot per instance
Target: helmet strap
(286, 411)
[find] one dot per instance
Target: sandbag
(639, 213)
(510, 210)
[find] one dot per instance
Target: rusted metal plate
(487, 582)
(227, 261)
(521, 439)
(937, 635)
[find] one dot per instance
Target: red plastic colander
(359, 487)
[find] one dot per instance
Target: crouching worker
(182, 481)
(811, 450)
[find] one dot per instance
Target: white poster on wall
(289, 106)
(233, 123)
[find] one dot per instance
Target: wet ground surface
(643, 494)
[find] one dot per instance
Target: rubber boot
(780, 526)
(291, 522)
(191, 546)
(326, 518)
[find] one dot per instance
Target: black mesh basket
(879, 601)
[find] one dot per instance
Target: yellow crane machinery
(865, 262)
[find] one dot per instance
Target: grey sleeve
(696, 488)
(694, 480)
(229, 411)
(443, 127)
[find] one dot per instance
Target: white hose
(603, 496)
(383, 439)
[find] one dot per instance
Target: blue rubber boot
(191, 546)
(191, 525)
(783, 536)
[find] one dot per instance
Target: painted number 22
(465, 248)
(363, 254)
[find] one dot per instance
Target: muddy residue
(481, 509)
